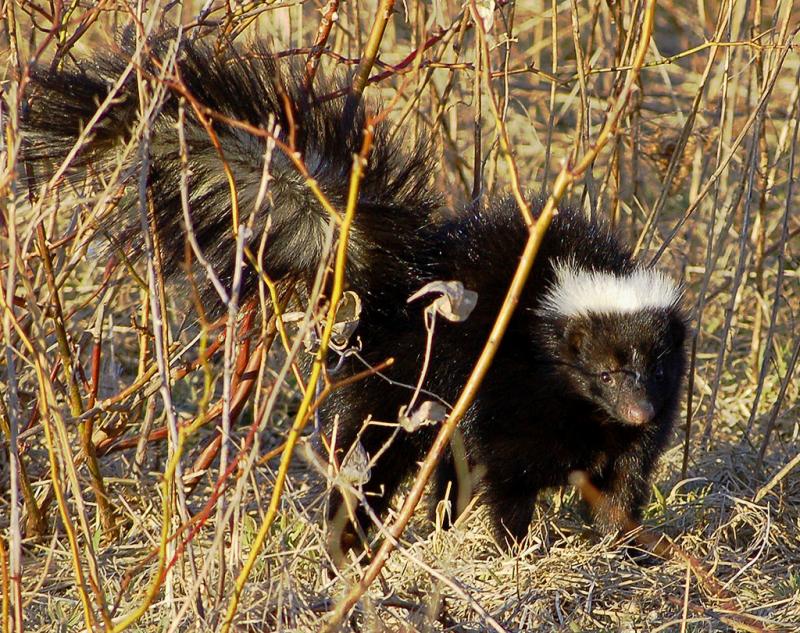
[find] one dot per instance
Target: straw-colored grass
(698, 177)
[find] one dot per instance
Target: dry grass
(718, 214)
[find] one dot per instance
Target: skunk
(587, 376)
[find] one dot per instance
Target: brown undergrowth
(698, 173)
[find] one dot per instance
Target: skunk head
(617, 340)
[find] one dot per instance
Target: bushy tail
(243, 85)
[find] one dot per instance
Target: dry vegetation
(699, 176)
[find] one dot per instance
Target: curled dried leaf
(348, 312)
(429, 412)
(355, 468)
(454, 303)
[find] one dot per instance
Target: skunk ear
(575, 333)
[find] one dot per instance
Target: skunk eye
(658, 372)
(605, 376)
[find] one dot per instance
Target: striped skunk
(587, 376)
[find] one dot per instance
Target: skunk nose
(638, 412)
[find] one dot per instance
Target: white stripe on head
(580, 292)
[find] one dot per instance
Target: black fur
(543, 410)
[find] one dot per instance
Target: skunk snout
(634, 406)
(637, 412)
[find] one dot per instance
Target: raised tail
(229, 100)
